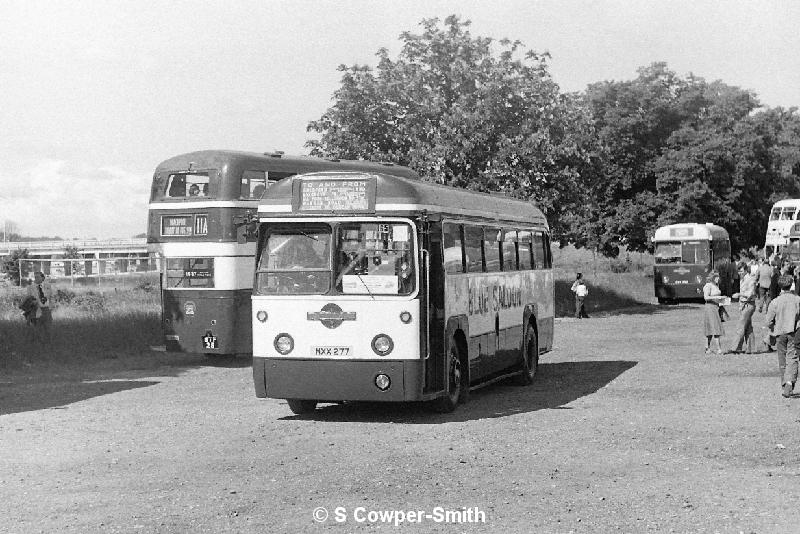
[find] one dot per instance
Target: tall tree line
(607, 165)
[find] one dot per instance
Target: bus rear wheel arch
(530, 357)
(301, 406)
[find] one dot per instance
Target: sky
(96, 93)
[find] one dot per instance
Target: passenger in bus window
(194, 190)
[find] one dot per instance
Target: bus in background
(374, 287)
(684, 255)
(199, 205)
(782, 217)
(792, 251)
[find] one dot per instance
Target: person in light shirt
(747, 307)
(581, 292)
(783, 314)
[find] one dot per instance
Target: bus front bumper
(337, 380)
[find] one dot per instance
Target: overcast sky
(96, 93)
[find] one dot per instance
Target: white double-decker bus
(782, 217)
(375, 287)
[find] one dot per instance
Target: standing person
(764, 281)
(782, 316)
(41, 294)
(774, 288)
(712, 325)
(747, 307)
(581, 292)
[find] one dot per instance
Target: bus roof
(390, 194)
(689, 231)
(790, 202)
(276, 161)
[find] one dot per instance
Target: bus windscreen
(368, 258)
(668, 252)
(691, 252)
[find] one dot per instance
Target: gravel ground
(629, 427)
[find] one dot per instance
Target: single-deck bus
(782, 217)
(199, 203)
(684, 255)
(373, 287)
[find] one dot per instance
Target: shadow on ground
(604, 301)
(556, 385)
(16, 398)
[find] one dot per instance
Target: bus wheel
(455, 375)
(530, 357)
(301, 406)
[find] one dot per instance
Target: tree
(465, 111)
(70, 252)
(11, 265)
(674, 150)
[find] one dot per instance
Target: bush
(90, 301)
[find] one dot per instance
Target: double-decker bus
(199, 205)
(374, 287)
(684, 255)
(782, 218)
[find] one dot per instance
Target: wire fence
(111, 271)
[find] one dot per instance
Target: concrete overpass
(87, 248)
(94, 257)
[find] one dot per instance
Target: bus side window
(539, 258)
(491, 249)
(453, 248)
(510, 250)
(473, 237)
(525, 257)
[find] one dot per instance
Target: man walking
(782, 316)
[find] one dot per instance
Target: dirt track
(629, 428)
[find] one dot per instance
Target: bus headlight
(405, 317)
(382, 344)
(665, 279)
(262, 316)
(284, 343)
(699, 279)
(383, 382)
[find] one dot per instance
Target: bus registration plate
(331, 351)
(210, 342)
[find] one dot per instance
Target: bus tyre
(455, 381)
(530, 357)
(301, 406)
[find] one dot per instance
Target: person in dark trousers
(581, 292)
(782, 316)
(764, 277)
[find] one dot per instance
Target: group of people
(763, 287)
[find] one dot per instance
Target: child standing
(782, 316)
(581, 291)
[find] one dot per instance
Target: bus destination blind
(334, 195)
(176, 225)
(681, 232)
